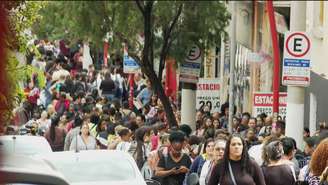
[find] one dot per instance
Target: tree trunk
(148, 69)
(159, 90)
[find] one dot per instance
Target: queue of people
(86, 108)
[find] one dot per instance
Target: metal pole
(232, 63)
(276, 57)
(295, 95)
(254, 47)
(222, 56)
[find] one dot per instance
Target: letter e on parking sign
(297, 60)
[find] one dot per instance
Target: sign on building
(130, 66)
(208, 94)
(263, 102)
(297, 59)
(190, 68)
(210, 64)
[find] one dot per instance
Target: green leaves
(21, 18)
(200, 22)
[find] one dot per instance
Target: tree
(20, 16)
(169, 29)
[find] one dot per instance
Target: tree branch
(167, 42)
(175, 19)
(148, 33)
(141, 7)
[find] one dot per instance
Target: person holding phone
(173, 166)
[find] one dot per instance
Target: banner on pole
(208, 94)
(130, 66)
(263, 102)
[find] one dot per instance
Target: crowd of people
(87, 108)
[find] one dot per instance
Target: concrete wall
(244, 23)
(318, 28)
(319, 33)
(319, 88)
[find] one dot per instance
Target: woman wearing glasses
(207, 154)
(219, 147)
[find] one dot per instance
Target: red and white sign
(263, 102)
(190, 68)
(296, 61)
(208, 94)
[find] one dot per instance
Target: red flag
(171, 79)
(106, 46)
(131, 83)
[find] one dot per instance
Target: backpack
(162, 152)
(145, 170)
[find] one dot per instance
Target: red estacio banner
(263, 102)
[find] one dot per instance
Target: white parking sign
(296, 62)
(190, 68)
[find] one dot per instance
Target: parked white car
(24, 145)
(96, 167)
(24, 170)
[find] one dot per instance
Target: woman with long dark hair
(236, 166)
(207, 154)
(209, 128)
(140, 152)
(55, 135)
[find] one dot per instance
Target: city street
(163, 92)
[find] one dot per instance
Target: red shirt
(154, 142)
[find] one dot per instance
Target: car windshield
(98, 170)
(24, 147)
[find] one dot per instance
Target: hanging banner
(130, 66)
(263, 102)
(208, 94)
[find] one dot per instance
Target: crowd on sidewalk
(85, 106)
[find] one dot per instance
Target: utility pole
(232, 63)
(188, 104)
(222, 56)
(295, 95)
